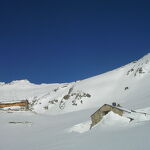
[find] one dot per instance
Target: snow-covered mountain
(61, 112)
(127, 86)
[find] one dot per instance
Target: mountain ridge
(119, 85)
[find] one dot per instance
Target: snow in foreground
(26, 130)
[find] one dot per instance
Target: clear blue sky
(62, 41)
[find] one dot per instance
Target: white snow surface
(59, 116)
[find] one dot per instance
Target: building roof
(119, 108)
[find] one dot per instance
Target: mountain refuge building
(102, 111)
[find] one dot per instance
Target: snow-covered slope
(60, 116)
(127, 85)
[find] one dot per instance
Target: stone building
(102, 111)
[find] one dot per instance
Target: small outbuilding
(102, 111)
(23, 104)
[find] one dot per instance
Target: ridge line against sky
(64, 41)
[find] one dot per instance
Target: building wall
(21, 104)
(98, 115)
